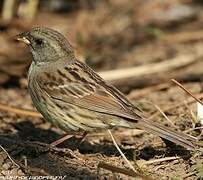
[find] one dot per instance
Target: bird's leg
(65, 137)
(62, 139)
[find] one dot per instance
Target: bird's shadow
(27, 132)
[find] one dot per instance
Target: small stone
(14, 172)
(20, 172)
(6, 166)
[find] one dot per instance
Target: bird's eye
(39, 41)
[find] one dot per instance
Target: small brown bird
(72, 96)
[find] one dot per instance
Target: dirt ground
(109, 35)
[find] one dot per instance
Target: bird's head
(46, 45)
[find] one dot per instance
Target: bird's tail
(179, 138)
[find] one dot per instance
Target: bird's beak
(23, 38)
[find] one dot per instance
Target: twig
(9, 157)
(128, 172)
(194, 119)
(164, 115)
(121, 153)
(192, 129)
(182, 37)
(146, 90)
(162, 112)
(153, 161)
(31, 9)
(7, 11)
(167, 65)
(160, 166)
(18, 111)
(175, 106)
(38, 171)
(189, 174)
(25, 161)
(187, 91)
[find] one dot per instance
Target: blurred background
(110, 34)
(138, 45)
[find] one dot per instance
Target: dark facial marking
(38, 42)
(54, 36)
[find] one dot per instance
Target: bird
(73, 97)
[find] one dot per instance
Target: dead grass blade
(165, 116)
(9, 157)
(176, 106)
(116, 169)
(187, 91)
(182, 37)
(142, 92)
(154, 161)
(167, 65)
(119, 150)
(22, 112)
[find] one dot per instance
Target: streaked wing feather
(93, 102)
(96, 98)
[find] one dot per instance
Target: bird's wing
(79, 85)
(65, 86)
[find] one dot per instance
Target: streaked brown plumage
(72, 96)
